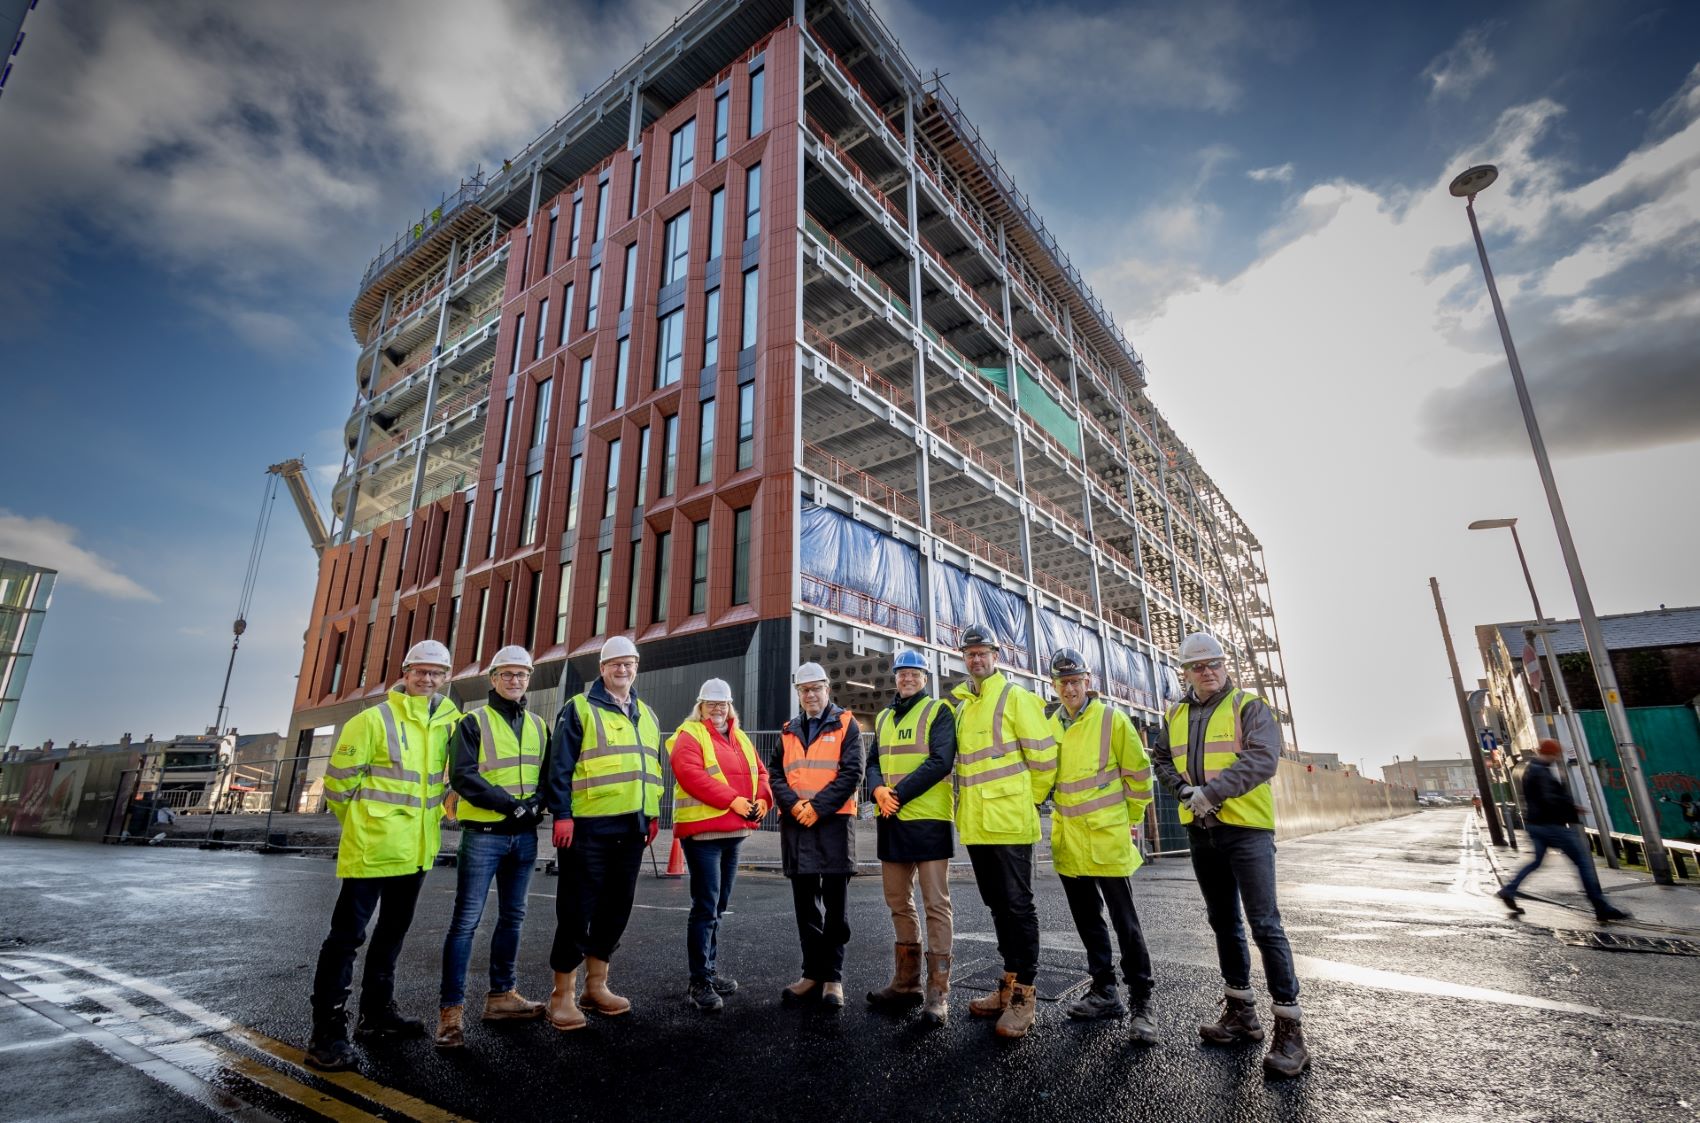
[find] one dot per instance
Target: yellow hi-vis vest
(1103, 787)
(1222, 744)
(686, 807)
(506, 761)
(1006, 761)
(619, 762)
(385, 784)
(903, 746)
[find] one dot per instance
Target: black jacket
(917, 840)
(829, 846)
(1546, 802)
(470, 783)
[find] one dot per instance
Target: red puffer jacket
(688, 769)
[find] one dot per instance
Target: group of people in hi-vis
(978, 763)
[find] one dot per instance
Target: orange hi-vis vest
(809, 770)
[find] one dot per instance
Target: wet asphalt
(140, 984)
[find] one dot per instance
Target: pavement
(141, 983)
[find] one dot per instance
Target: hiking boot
(510, 1005)
(832, 995)
(386, 1023)
(1287, 1054)
(703, 996)
(564, 1013)
(1610, 912)
(1238, 1022)
(450, 1035)
(328, 1050)
(1142, 1030)
(992, 1004)
(803, 990)
(937, 1009)
(597, 996)
(904, 990)
(722, 985)
(1099, 1002)
(1017, 1017)
(1509, 900)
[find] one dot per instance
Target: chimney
(124, 740)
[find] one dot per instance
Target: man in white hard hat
(604, 789)
(500, 752)
(1224, 746)
(385, 784)
(815, 773)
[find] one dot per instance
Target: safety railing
(379, 445)
(987, 551)
(855, 170)
(428, 223)
(972, 451)
(835, 471)
(1050, 507)
(854, 264)
(856, 368)
(452, 405)
(962, 283)
(857, 605)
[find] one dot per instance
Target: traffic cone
(676, 859)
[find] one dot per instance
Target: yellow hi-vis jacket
(1006, 761)
(385, 784)
(686, 807)
(903, 746)
(1222, 744)
(506, 761)
(618, 770)
(1103, 788)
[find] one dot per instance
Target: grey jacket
(1260, 749)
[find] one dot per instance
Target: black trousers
(1235, 867)
(822, 926)
(1086, 898)
(593, 901)
(392, 898)
(1005, 877)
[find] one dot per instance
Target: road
(172, 984)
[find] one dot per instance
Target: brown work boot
(1238, 1022)
(992, 1004)
(904, 990)
(937, 1010)
(1287, 1054)
(501, 1006)
(803, 990)
(597, 996)
(564, 1013)
(1017, 1017)
(449, 1035)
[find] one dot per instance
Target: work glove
(1186, 792)
(563, 834)
(654, 830)
(1199, 802)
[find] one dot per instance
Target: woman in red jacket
(720, 794)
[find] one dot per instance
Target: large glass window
(741, 556)
(593, 297)
(659, 591)
(578, 224)
(682, 156)
(540, 415)
(533, 500)
(566, 314)
(563, 598)
(758, 101)
(670, 349)
(483, 624)
(634, 583)
(711, 327)
(716, 223)
(746, 425)
(752, 201)
(575, 479)
(600, 230)
(622, 370)
(465, 538)
(643, 465)
(611, 495)
(585, 366)
(628, 283)
(519, 341)
(454, 623)
(533, 599)
(549, 242)
(542, 328)
(637, 182)
(676, 251)
(722, 124)
(507, 425)
(705, 444)
(495, 522)
(669, 454)
(752, 303)
(604, 571)
(699, 567)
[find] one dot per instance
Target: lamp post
(1466, 186)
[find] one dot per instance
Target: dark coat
(1546, 801)
(917, 840)
(828, 847)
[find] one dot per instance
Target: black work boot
(329, 1050)
(1142, 1030)
(1102, 1001)
(1238, 1022)
(386, 1023)
(1287, 1054)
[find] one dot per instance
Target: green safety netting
(1037, 403)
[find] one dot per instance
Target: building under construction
(757, 355)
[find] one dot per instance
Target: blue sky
(1256, 190)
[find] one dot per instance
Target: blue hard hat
(909, 660)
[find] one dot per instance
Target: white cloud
(1459, 69)
(1281, 173)
(47, 542)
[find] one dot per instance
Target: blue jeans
(713, 865)
(1546, 837)
(1235, 867)
(505, 859)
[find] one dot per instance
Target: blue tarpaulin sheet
(1057, 631)
(1130, 675)
(854, 570)
(959, 599)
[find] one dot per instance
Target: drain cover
(1613, 941)
(1058, 975)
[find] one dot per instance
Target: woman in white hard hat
(720, 795)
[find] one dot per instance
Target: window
(604, 568)
(593, 298)
(741, 556)
(507, 425)
(758, 87)
(752, 293)
(562, 599)
(540, 416)
(716, 223)
(578, 225)
(542, 325)
(575, 477)
(365, 657)
(722, 115)
(495, 523)
(637, 181)
(609, 496)
(632, 584)
(483, 623)
(746, 425)
(643, 465)
(549, 244)
(658, 594)
(752, 202)
(525, 262)
(584, 371)
(628, 284)
(699, 567)
(705, 439)
(711, 327)
(465, 537)
(622, 367)
(682, 158)
(670, 349)
(519, 341)
(531, 605)
(528, 517)
(669, 454)
(601, 229)
(676, 256)
(378, 570)
(566, 314)
(454, 622)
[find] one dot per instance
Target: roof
(1629, 631)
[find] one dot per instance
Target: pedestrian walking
(1103, 788)
(909, 771)
(721, 794)
(385, 785)
(1006, 763)
(815, 774)
(1550, 817)
(1224, 748)
(500, 752)
(604, 790)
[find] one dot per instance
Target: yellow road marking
(380, 1094)
(312, 1099)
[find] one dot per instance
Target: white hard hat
(715, 690)
(808, 672)
(430, 652)
(617, 647)
(1200, 646)
(512, 655)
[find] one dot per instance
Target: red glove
(563, 833)
(654, 829)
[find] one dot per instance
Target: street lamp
(1466, 186)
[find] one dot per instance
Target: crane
(294, 475)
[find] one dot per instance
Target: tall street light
(1466, 186)
(1542, 635)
